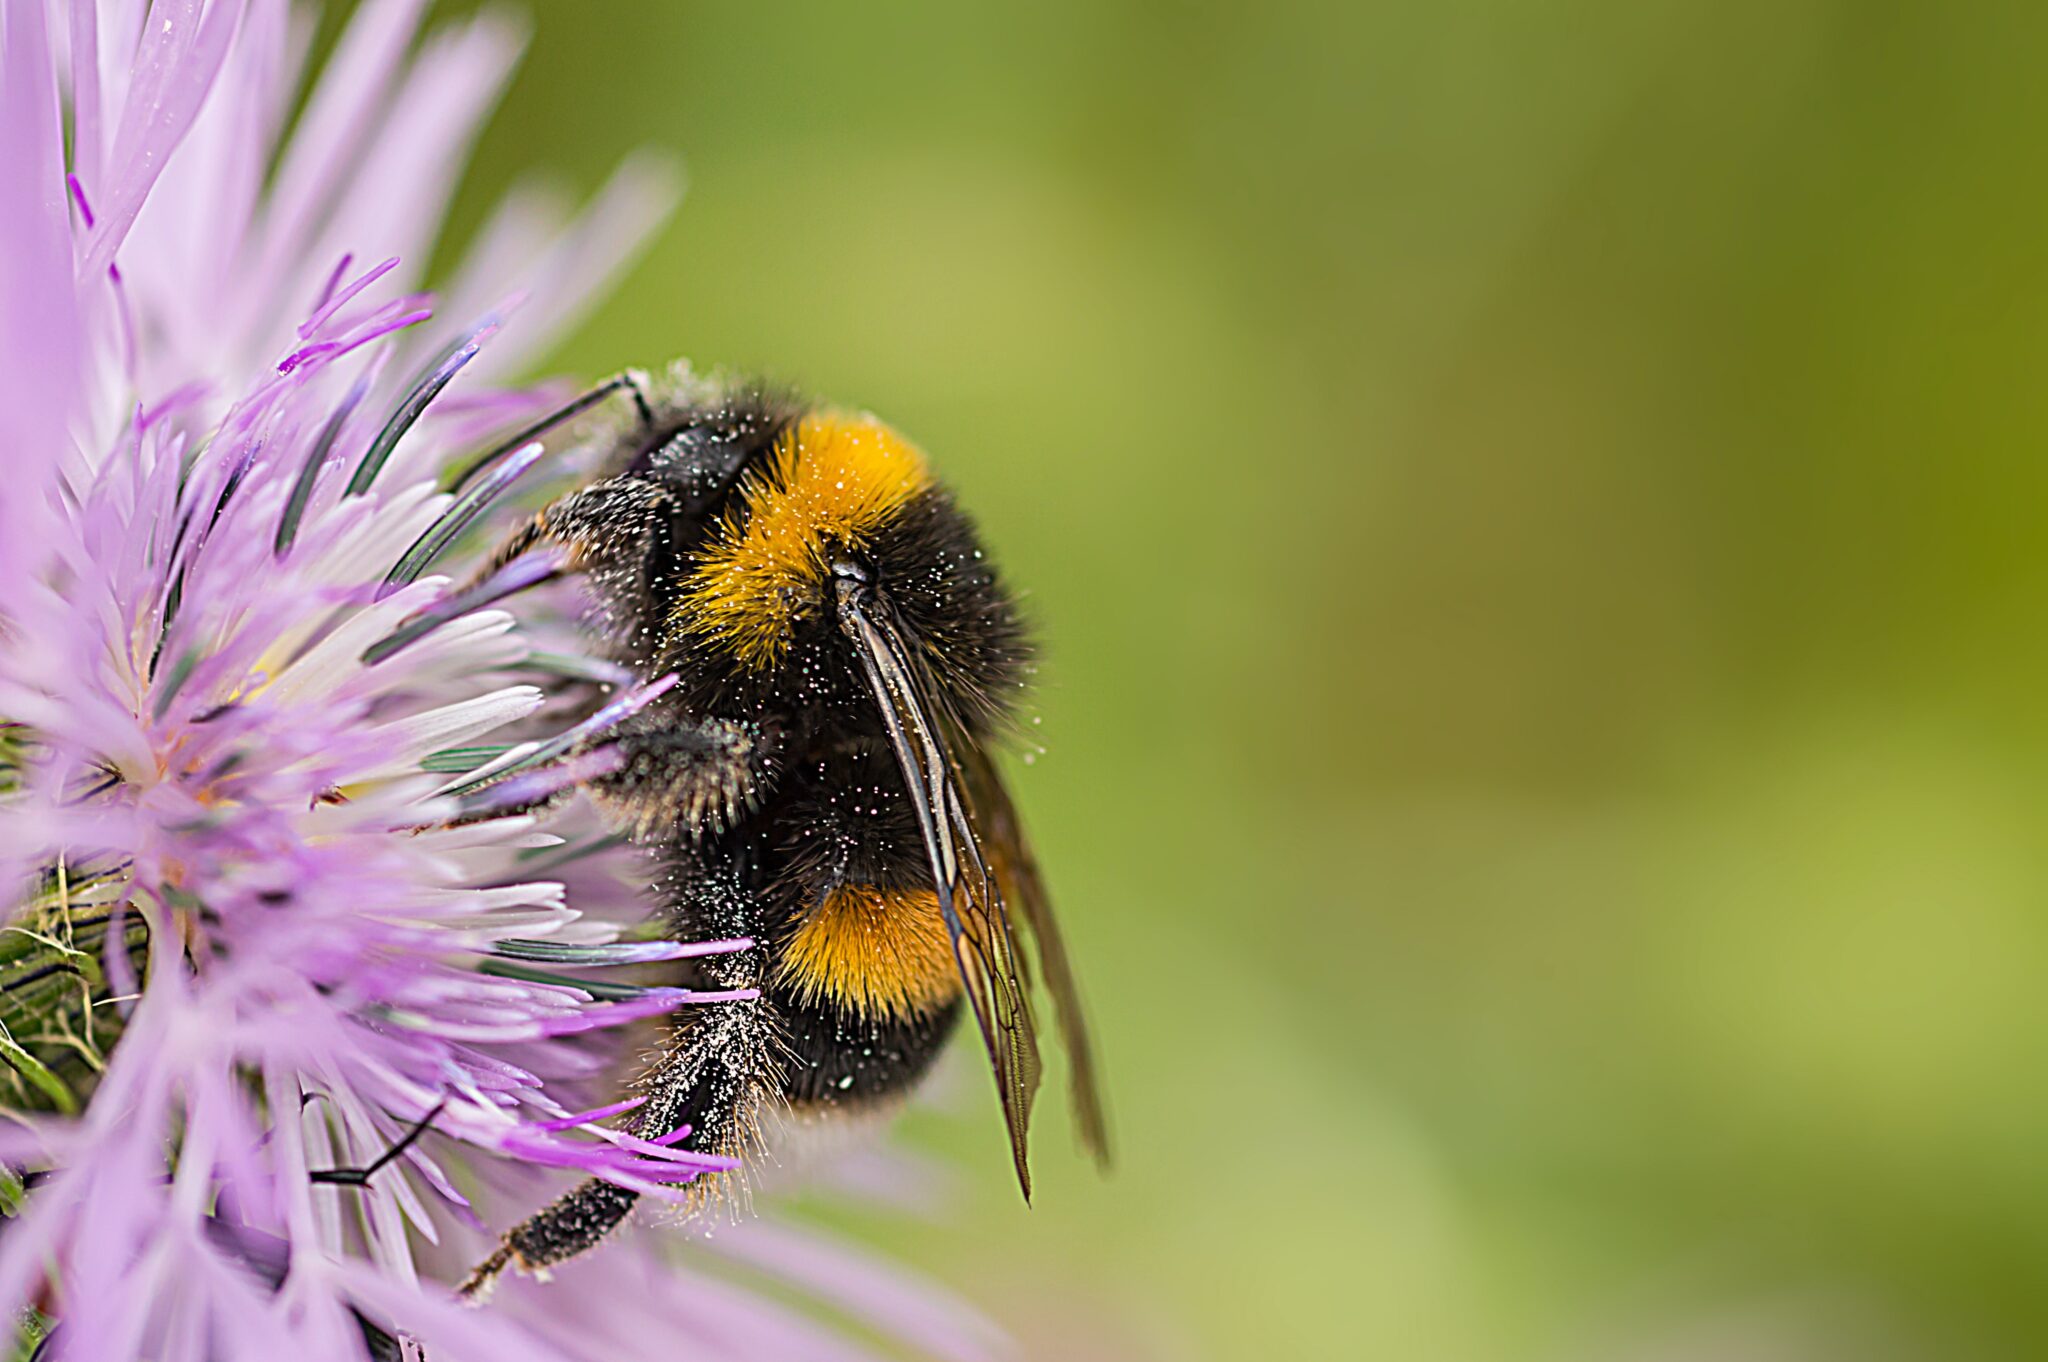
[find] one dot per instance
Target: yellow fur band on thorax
(878, 952)
(831, 482)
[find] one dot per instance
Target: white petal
(450, 726)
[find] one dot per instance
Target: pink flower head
(334, 985)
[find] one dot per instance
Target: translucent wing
(1015, 871)
(970, 899)
(989, 963)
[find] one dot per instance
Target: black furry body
(763, 790)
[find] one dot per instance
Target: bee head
(842, 522)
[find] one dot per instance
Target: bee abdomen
(873, 952)
(839, 1058)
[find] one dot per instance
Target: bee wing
(969, 898)
(1015, 871)
(992, 968)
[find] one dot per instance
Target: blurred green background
(1535, 512)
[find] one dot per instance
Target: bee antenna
(629, 380)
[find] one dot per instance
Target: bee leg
(673, 778)
(577, 1221)
(722, 1067)
(714, 1082)
(601, 524)
(688, 778)
(360, 1177)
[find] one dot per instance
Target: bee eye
(848, 570)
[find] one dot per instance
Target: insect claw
(476, 1288)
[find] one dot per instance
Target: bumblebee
(818, 778)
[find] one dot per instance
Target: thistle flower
(291, 981)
